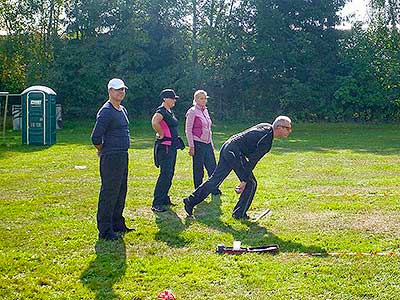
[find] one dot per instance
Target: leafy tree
(256, 58)
(296, 56)
(386, 12)
(370, 88)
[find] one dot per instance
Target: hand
(240, 188)
(158, 136)
(99, 148)
(191, 151)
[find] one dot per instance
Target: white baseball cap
(116, 84)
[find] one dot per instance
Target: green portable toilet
(38, 116)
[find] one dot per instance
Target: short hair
(197, 93)
(281, 120)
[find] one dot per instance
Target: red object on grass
(166, 295)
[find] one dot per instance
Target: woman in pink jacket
(199, 137)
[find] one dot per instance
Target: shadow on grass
(170, 227)
(106, 269)
(209, 213)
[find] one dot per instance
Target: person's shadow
(254, 235)
(170, 228)
(106, 269)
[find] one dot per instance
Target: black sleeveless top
(171, 121)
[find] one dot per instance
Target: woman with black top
(165, 124)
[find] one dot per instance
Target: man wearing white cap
(111, 138)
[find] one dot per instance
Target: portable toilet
(38, 115)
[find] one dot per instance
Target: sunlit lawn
(331, 188)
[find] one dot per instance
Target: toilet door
(36, 120)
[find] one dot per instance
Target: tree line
(256, 58)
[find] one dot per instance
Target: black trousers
(203, 157)
(114, 179)
(167, 158)
(230, 159)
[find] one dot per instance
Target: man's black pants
(166, 156)
(114, 178)
(230, 159)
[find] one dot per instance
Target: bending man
(241, 153)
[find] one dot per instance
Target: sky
(356, 7)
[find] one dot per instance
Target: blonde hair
(197, 93)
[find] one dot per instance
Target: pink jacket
(198, 125)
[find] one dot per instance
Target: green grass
(331, 188)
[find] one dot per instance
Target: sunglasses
(287, 127)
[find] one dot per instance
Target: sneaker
(188, 207)
(158, 209)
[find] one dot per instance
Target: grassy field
(331, 188)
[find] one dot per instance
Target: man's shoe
(242, 217)
(109, 237)
(158, 209)
(188, 207)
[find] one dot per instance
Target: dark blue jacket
(253, 144)
(111, 129)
